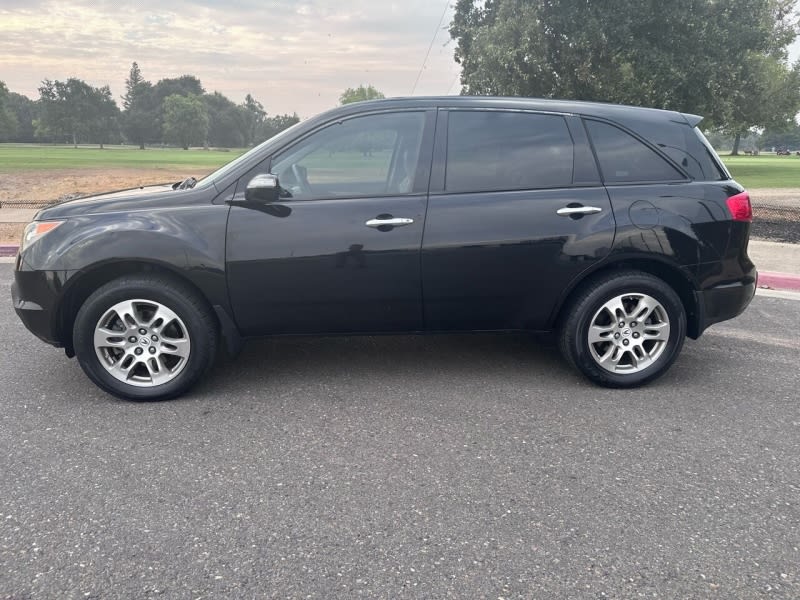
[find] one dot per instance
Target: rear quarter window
(624, 159)
(708, 163)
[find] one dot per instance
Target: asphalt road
(402, 467)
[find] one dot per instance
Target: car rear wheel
(624, 330)
(144, 337)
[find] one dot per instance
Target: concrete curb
(766, 279)
(779, 281)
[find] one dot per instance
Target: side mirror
(263, 188)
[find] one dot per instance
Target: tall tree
(107, 116)
(359, 94)
(25, 112)
(8, 121)
(133, 85)
(75, 110)
(185, 85)
(771, 100)
(694, 56)
(253, 114)
(226, 123)
(185, 120)
(140, 121)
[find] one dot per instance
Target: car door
(516, 213)
(339, 251)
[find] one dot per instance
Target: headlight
(36, 230)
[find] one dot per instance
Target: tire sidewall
(628, 284)
(173, 298)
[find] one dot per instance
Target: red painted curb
(9, 250)
(779, 281)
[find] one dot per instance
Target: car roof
(577, 107)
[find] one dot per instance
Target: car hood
(140, 198)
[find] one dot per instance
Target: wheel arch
(670, 273)
(79, 287)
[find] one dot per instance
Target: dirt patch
(44, 186)
(40, 187)
(11, 233)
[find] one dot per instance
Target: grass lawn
(19, 157)
(765, 171)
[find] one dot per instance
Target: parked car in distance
(617, 228)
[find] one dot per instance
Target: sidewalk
(778, 264)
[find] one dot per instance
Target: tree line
(174, 111)
(724, 60)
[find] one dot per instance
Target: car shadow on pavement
(392, 358)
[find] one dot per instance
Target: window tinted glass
(707, 159)
(623, 158)
(507, 151)
(374, 155)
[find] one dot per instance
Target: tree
(784, 137)
(274, 125)
(253, 116)
(771, 100)
(185, 85)
(695, 56)
(226, 123)
(25, 112)
(8, 121)
(140, 121)
(75, 110)
(134, 84)
(185, 120)
(360, 94)
(106, 121)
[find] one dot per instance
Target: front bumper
(35, 296)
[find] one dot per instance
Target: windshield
(234, 164)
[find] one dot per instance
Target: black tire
(589, 304)
(197, 325)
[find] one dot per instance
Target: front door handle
(578, 210)
(390, 222)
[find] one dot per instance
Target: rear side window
(708, 161)
(624, 159)
(499, 151)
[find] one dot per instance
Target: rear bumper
(725, 301)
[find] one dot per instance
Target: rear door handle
(578, 210)
(393, 222)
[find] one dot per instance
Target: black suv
(616, 227)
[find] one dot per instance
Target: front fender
(188, 240)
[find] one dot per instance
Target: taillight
(740, 207)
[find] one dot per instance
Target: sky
(292, 56)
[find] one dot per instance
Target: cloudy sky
(291, 55)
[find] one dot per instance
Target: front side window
(375, 155)
(500, 151)
(624, 159)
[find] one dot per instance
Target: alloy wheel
(142, 343)
(628, 333)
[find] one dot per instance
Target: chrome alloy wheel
(629, 333)
(142, 343)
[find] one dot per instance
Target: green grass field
(765, 171)
(19, 157)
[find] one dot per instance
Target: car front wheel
(624, 330)
(144, 337)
